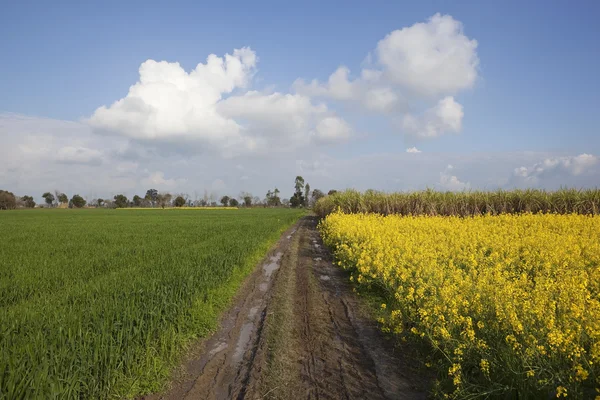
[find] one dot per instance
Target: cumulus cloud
(556, 167)
(169, 104)
(446, 116)
(366, 91)
(199, 109)
(430, 58)
(413, 150)
(451, 182)
(424, 64)
(332, 129)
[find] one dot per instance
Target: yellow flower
(462, 283)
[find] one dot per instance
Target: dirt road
(297, 331)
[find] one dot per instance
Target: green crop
(431, 202)
(101, 303)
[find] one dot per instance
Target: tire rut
(296, 331)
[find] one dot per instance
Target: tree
(163, 199)
(179, 201)
(233, 203)
(121, 201)
(276, 198)
(137, 201)
(100, 202)
(332, 191)
(8, 201)
(77, 201)
(316, 195)
(225, 200)
(248, 200)
(152, 196)
(49, 197)
(297, 199)
(28, 201)
(306, 194)
(62, 198)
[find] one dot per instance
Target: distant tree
(306, 195)
(8, 201)
(213, 203)
(100, 202)
(248, 200)
(137, 201)
(49, 198)
(179, 201)
(152, 196)
(28, 201)
(121, 201)
(276, 198)
(297, 199)
(77, 201)
(316, 195)
(234, 202)
(62, 198)
(332, 191)
(164, 199)
(202, 203)
(273, 199)
(225, 201)
(285, 202)
(256, 200)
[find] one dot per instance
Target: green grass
(431, 202)
(102, 303)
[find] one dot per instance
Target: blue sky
(535, 97)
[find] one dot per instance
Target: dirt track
(297, 331)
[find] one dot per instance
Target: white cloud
(198, 110)
(283, 121)
(444, 117)
(413, 150)
(366, 90)
(417, 68)
(30, 166)
(157, 180)
(332, 129)
(79, 155)
(337, 87)
(556, 167)
(451, 182)
(168, 104)
(430, 58)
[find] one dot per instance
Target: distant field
(100, 303)
(179, 208)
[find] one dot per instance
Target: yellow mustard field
(508, 304)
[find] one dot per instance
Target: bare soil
(297, 331)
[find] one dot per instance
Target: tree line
(302, 197)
